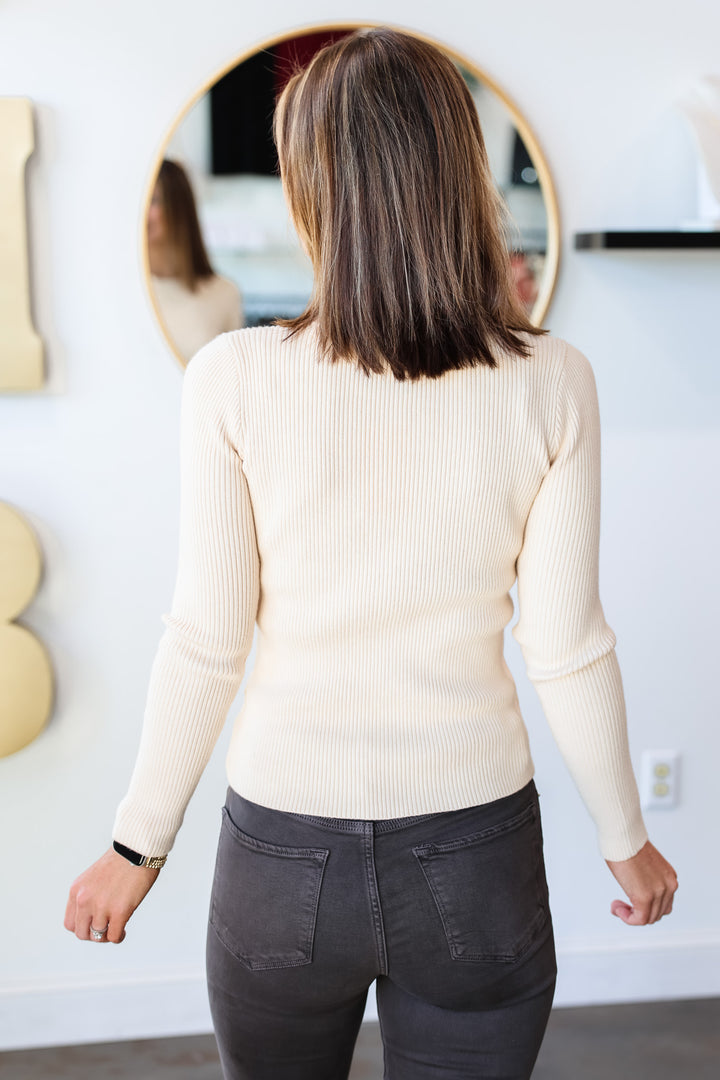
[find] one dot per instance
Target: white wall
(92, 461)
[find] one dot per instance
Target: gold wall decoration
(26, 678)
(21, 351)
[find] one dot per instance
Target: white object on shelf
(701, 107)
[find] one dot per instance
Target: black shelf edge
(647, 239)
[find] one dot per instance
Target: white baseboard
(35, 1014)
(686, 967)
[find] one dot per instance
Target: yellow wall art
(26, 677)
(21, 351)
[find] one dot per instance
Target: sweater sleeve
(568, 647)
(208, 634)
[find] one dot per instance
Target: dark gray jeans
(448, 912)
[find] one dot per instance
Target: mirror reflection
(195, 302)
(221, 250)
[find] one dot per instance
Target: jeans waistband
(384, 825)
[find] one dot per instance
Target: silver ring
(97, 935)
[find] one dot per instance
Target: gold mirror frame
(552, 254)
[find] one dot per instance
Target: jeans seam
(491, 833)
(374, 895)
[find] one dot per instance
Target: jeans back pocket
(265, 899)
(490, 888)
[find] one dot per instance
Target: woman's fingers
(116, 929)
(82, 917)
(642, 913)
(69, 920)
(637, 914)
(99, 924)
(85, 912)
(659, 907)
(112, 926)
(650, 883)
(93, 913)
(621, 910)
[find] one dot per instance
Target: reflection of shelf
(647, 239)
(256, 251)
(263, 309)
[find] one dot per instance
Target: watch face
(128, 853)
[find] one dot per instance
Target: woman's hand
(106, 895)
(650, 883)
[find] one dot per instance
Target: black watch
(153, 861)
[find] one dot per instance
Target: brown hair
(385, 170)
(183, 227)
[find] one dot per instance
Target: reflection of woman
(367, 483)
(525, 283)
(196, 304)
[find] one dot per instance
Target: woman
(366, 482)
(195, 303)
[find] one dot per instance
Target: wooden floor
(660, 1041)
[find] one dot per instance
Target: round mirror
(219, 250)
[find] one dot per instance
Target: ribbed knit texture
(195, 317)
(373, 528)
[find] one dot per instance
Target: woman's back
(391, 516)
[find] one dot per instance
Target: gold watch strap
(154, 861)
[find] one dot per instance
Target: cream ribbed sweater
(194, 318)
(373, 528)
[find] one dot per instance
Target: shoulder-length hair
(182, 224)
(387, 178)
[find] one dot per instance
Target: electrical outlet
(660, 778)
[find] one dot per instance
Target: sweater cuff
(616, 846)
